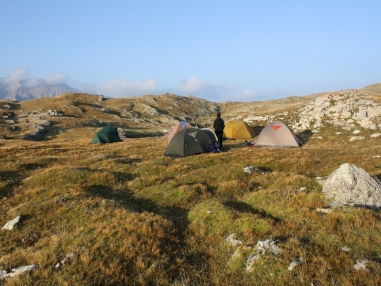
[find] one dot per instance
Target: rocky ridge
(348, 110)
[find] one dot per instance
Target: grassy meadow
(131, 216)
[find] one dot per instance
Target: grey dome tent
(277, 134)
(107, 134)
(188, 141)
(210, 133)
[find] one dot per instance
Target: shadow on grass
(263, 169)
(8, 181)
(178, 216)
(304, 136)
(240, 143)
(245, 208)
(52, 132)
(133, 134)
(194, 261)
(258, 129)
(31, 166)
(375, 208)
(235, 144)
(127, 160)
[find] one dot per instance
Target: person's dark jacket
(219, 124)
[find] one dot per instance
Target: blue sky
(218, 50)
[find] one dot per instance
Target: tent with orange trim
(277, 134)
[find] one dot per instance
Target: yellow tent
(238, 129)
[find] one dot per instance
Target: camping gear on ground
(107, 134)
(186, 142)
(214, 147)
(176, 128)
(277, 134)
(238, 129)
(249, 143)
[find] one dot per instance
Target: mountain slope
(149, 115)
(31, 88)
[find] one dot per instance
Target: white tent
(277, 134)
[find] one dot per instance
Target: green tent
(188, 141)
(107, 134)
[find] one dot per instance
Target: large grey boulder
(352, 185)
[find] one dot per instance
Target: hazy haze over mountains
(31, 88)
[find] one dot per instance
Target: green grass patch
(62, 177)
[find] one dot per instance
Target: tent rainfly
(277, 134)
(238, 129)
(186, 142)
(107, 134)
(176, 128)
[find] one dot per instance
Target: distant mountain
(31, 89)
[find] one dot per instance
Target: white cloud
(193, 85)
(31, 82)
(57, 78)
(21, 74)
(16, 76)
(248, 93)
(210, 91)
(125, 88)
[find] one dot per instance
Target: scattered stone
(68, 258)
(346, 249)
(9, 225)
(375, 135)
(322, 210)
(250, 261)
(237, 253)
(240, 251)
(302, 189)
(294, 263)
(376, 156)
(233, 242)
(248, 170)
(2, 274)
(65, 260)
(18, 271)
(268, 245)
(361, 265)
(356, 131)
(355, 138)
(121, 134)
(96, 122)
(53, 113)
(351, 185)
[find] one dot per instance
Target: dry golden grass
(131, 216)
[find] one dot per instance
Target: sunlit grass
(132, 216)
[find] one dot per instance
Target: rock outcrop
(349, 109)
(351, 185)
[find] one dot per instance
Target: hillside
(124, 214)
(154, 115)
